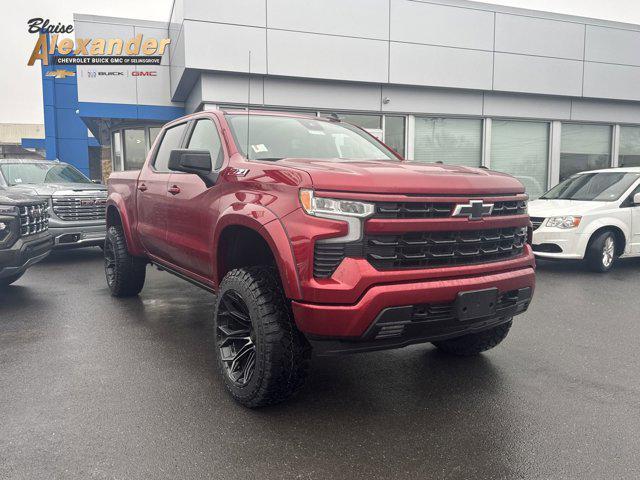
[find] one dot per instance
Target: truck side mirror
(197, 162)
(636, 199)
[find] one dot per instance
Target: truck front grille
(34, 219)
(395, 210)
(443, 249)
(79, 209)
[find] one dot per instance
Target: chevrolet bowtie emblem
(474, 210)
(60, 73)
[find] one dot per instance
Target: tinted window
(605, 187)
(205, 137)
(170, 141)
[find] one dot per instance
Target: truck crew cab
(312, 233)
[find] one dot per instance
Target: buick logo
(474, 210)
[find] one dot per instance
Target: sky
(20, 85)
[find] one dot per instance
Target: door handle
(174, 189)
(142, 187)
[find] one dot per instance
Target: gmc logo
(144, 74)
(87, 202)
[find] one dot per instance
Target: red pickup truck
(313, 234)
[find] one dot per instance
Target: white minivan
(592, 215)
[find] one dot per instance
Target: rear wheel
(6, 281)
(602, 253)
(125, 273)
(475, 343)
(262, 356)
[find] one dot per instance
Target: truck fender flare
(116, 201)
(265, 223)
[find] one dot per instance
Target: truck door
(193, 206)
(153, 195)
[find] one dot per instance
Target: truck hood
(558, 208)
(403, 177)
(49, 189)
(13, 198)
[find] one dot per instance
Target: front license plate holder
(476, 304)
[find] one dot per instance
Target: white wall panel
(603, 80)
(239, 12)
(536, 36)
(523, 73)
(427, 23)
(353, 18)
(321, 94)
(526, 106)
(605, 111)
(431, 100)
(215, 46)
(323, 56)
(231, 88)
(154, 90)
(612, 45)
(440, 66)
(93, 87)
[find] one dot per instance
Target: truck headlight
(8, 210)
(9, 225)
(332, 207)
(564, 222)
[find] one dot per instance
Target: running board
(182, 276)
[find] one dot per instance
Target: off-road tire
(282, 352)
(6, 281)
(475, 343)
(595, 256)
(129, 272)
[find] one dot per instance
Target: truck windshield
(603, 187)
(274, 138)
(20, 173)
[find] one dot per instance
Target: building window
(455, 141)
(116, 146)
(584, 147)
(629, 147)
(521, 149)
(394, 133)
(135, 149)
(153, 134)
(370, 123)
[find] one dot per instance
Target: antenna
(248, 105)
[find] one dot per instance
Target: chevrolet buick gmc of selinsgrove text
(315, 235)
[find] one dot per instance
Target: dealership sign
(137, 50)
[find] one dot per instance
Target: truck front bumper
(24, 253)
(399, 314)
(77, 235)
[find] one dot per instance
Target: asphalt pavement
(96, 387)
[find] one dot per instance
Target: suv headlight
(9, 225)
(564, 222)
(331, 207)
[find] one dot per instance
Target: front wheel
(262, 356)
(125, 273)
(475, 343)
(601, 254)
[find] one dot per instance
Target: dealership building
(534, 94)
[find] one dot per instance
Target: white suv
(592, 215)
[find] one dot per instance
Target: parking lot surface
(96, 387)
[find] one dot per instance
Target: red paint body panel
(178, 221)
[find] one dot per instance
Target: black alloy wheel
(235, 338)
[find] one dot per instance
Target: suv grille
(442, 249)
(80, 208)
(536, 222)
(394, 210)
(34, 219)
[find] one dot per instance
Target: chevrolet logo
(60, 73)
(474, 210)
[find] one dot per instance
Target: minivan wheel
(262, 356)
(125, 273)
(6, 281)
(475, 343)
(601, 254)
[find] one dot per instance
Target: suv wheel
(601, 254)
(6, 281)
(262, 356)
(125, 273)
(475, 343)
